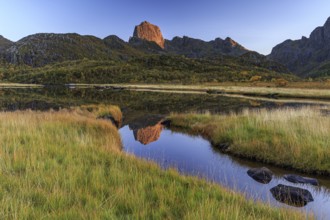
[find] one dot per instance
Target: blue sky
(256, 24)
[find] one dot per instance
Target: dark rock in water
(290, 195)
(261, 175)
(299, 179)
(110, 118)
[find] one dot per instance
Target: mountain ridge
(45, 48)
(305, 56)
(63, 58)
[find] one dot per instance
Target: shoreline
(278, 138)
(251, 91)
(271, 93)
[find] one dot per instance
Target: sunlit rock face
(149, 134)
(149, 32)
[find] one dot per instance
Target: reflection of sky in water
(195, 156)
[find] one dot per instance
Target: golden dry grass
(68, 165)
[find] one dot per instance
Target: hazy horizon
(256, 25)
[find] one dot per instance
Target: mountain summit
(149, 32)
(306, 56)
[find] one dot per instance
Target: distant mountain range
(305, 57)
(42, 49)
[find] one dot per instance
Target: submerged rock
(299, 179)
(261, 175)
(290, 195)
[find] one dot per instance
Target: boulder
(299, 179)
(261, 175)
(290, 195)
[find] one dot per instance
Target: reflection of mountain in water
(149, 134)
(147, 129)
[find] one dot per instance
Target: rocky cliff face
(307, 54)
(149, 32)
(148, 37)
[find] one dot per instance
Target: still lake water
(145, 137)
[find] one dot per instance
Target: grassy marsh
(68, 165)
(296, 138)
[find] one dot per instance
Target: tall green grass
(67, 165)
(296, 138)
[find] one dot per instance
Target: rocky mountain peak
(231, 42)
(304, 55)
(149, 32)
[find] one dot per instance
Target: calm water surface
(195, 156)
